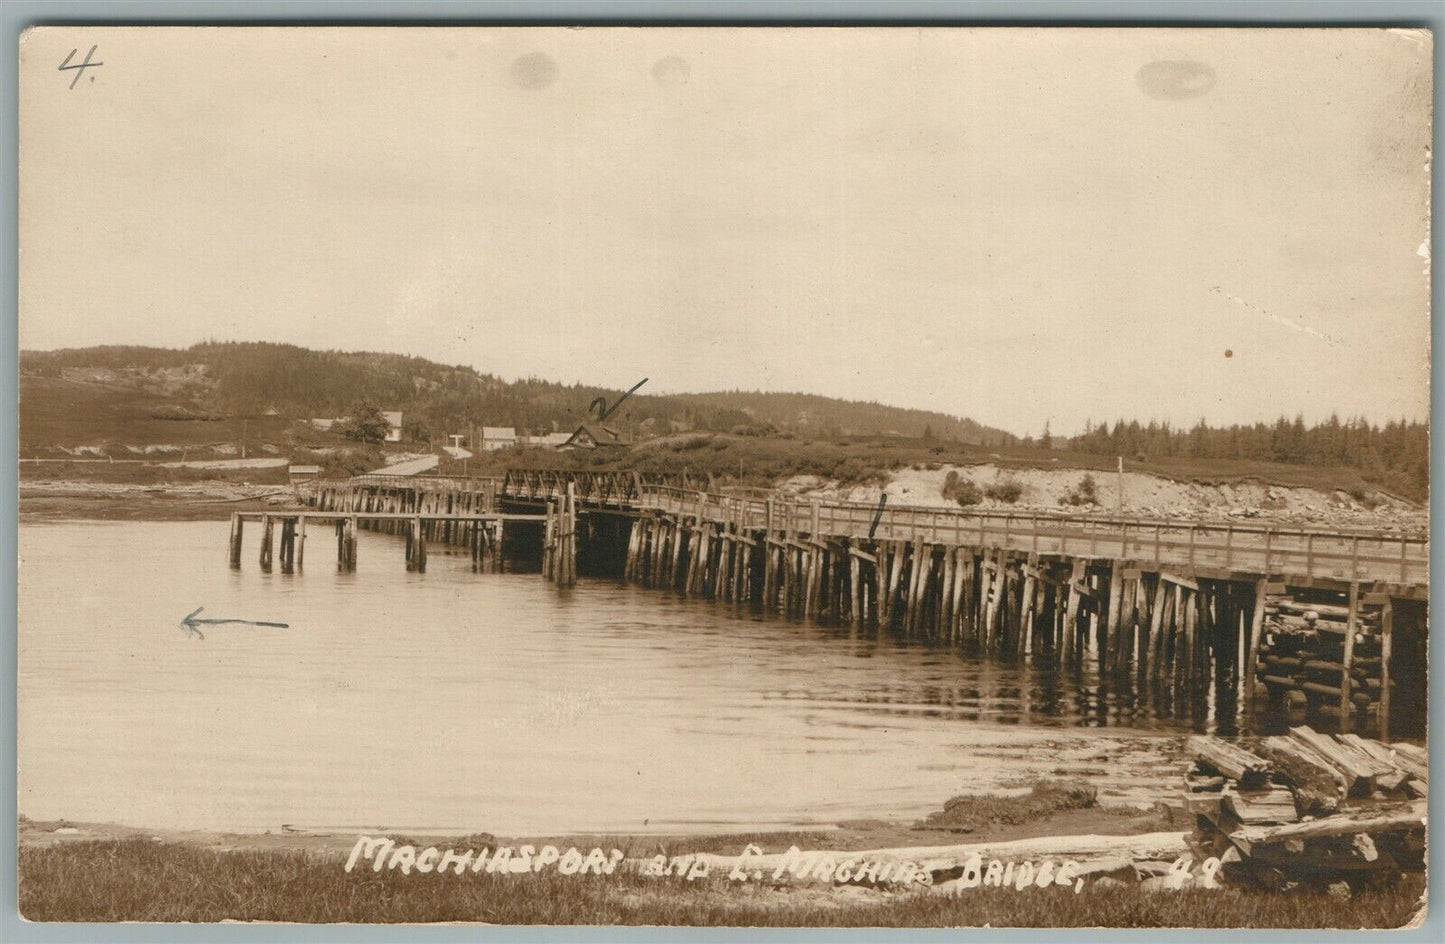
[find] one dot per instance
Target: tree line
(1396, 453)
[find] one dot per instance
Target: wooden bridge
(1220, 550)
(1189, 603)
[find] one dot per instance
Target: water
(458, 701)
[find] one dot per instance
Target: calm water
(457, 701)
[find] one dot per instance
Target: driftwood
(1260, 807)
(1375, 819)
(1398, 774)
(1262, 830)
(1360, 769)
(1307, 755)
(1416, 756)
(1231, 761)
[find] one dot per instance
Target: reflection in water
(452, 700)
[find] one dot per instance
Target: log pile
(1308, 808)
(1314, 657)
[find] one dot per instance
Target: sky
(1017, 225)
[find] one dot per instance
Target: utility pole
(1121, 485)
(244, 425)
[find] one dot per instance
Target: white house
(393, 421)
(498, 437)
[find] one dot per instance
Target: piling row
(482, 537)
(372, 494)
(1178, 630)
(559, 540)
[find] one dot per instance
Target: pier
(1309, 619)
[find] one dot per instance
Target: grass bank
(144, 880)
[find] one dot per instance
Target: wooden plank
(1234, 762)
(1305, 754)
(1271, 805)
(1359, 769)
(1411, 751)
(1185, 582)
(1382, 754)
(1371, 820)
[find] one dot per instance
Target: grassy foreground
(144, 880)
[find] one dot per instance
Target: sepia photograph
(732, 476)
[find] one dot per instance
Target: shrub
(967, 493)
(365, 424)
(1007, 492)
(950, 484)
(1368, 500)
(1086, 494)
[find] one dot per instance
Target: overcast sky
(1013, 225)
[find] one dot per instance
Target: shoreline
(987, 814)
(208, 500)
(111, 873)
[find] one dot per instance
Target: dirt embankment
(1143, 495)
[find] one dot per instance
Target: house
(545, 441)
(393, 422)
(271, 411)
(595, 436)
(323, 424)
(303, 473)
(498, 437)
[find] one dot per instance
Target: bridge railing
(616, 488)
(434, 483)
(1340, 554)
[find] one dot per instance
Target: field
(143, 880)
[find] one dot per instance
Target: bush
(365, 424)
(1007, 492)
(967, 493)
(950, 484)
(1086, 494)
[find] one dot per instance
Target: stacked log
(1310, 658)
(1267, 825)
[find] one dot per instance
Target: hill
(228, 398)
(91, 396)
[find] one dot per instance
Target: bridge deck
(383, 516)
(1388, 557)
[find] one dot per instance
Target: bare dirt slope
(1143, 495)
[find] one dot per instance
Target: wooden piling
(238, 524)
(1387, 628)
(267, 530)
(288, 545)
(1347, 706)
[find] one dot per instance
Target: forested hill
(249, 378)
